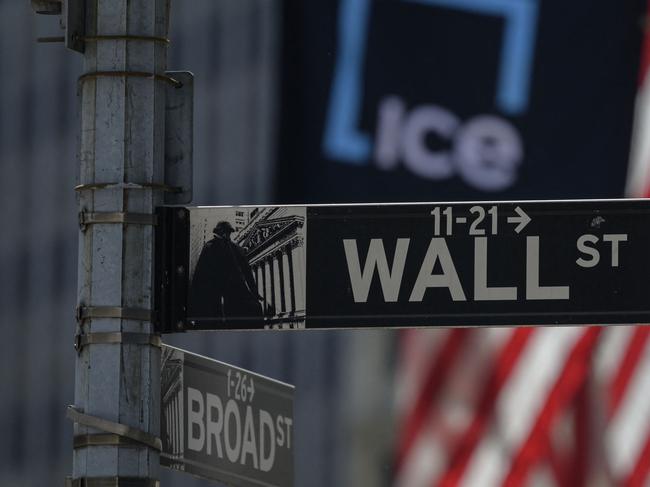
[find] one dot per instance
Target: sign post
(433, 264)
(224, 423)
(122, 120)
(121, 181)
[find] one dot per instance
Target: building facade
(275, 244)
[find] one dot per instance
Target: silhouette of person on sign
(223, 286)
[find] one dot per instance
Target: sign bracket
(111, 482)
(81, 340)
(171, 276)
(102, 439)
(96, 218)
(179, 137)
(115, 428)
(136, 314)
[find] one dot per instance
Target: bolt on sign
(224, 423)
(433, 264)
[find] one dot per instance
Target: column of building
(174, 410)
(181, 435)
(268, 283)
(176, 429)
(297, 262)
(277, 285)
(289, 300)
(280, 278)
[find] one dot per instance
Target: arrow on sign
(523, 219)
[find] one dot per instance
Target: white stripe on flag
(611, 352)
(639, 167)
(426, 461)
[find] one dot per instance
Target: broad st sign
(436, 264)
(224, 423)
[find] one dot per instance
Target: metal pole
(121, 165)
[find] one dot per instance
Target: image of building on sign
(247, 267)
(171, 395)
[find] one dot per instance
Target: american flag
(566, 407)
(524, 406)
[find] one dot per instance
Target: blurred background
(349, 101)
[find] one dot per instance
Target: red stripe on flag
(432, 384)
(563, 392)
(631, 359)
(579, 470)
(504, 365)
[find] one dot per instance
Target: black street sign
(433, 264)
(224, 423)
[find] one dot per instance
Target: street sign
(224, 423)
(434, 264)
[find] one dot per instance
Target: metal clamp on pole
(119, 37)
(158, 186)
(103, 439)
(115, 428)
(136, 314)
(130, 74)
(87, 218)
(111, 482)
(50, 39)
(111, 338)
